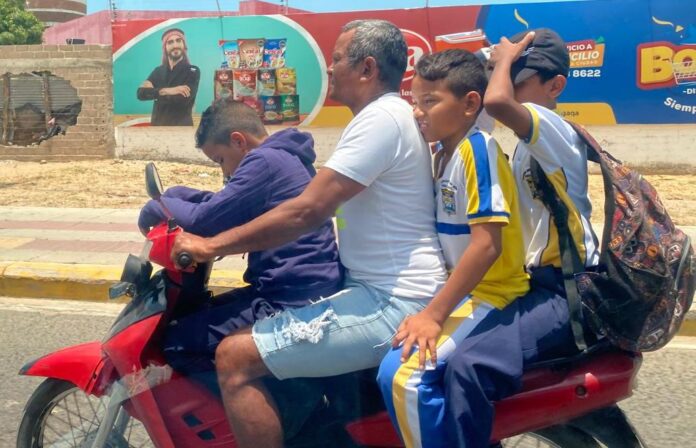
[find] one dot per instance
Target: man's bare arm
(285, 223)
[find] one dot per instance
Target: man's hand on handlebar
(196, 246)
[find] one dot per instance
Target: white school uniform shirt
(476, 187)
(563, 157)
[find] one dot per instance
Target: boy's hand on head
(508, 51)
(422, 330)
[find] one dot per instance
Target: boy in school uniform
(478, 224)
(529, 74)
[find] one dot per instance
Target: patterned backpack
(645, 283)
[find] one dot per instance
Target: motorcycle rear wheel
(560, 436)
(58, 413)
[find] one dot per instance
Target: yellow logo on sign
(663, 64)
(585, 53)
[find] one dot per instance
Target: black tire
(49, 396)
(39, 404)
(560, 436)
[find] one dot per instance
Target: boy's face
(534, 90)
(441, 115)
(228, 155)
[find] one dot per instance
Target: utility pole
(113, 9)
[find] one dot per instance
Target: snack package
(266, 82)
(286, 81)
(272, 110)
(223, 85)
(251, 53)
(230, 50)
(274, 53)
(253, 102)
(244, 84)
(290, 106)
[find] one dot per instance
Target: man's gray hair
(383, 41)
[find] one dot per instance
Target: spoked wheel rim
(72, 418)
(529, 440)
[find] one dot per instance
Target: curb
(88, 282)
(80, 281)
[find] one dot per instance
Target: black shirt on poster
(171, 110)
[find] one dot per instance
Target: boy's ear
(472, 103)
(556, 85)
(239, 140)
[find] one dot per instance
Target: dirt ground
(120, 184)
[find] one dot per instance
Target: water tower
(51, 12)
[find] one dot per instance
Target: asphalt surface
(663, 406)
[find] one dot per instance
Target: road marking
(13, 243)
(85, 308)
(683, 342)
(53, 306)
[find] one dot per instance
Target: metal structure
(51, 12)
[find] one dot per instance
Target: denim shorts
(351, 330)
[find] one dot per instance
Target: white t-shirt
(563, 157)
(386, 233)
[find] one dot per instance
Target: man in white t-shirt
(378, 184)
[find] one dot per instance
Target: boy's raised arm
(499, 99)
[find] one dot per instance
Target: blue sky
(311, 5)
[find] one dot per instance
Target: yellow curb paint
(13, 243)
(80, 282)
(688, 327)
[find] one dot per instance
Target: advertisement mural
(632, 61)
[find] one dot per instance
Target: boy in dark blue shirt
(260, 172)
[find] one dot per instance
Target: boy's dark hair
(461, 70)
(545, 75)
(225, 116)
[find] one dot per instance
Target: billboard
(632, 61)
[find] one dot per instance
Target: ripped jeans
(349, 331)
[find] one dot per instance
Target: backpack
(644, 284)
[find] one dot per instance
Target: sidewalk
(66, 253)
(72, 253)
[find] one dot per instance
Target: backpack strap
(570, 259)
(596, 154)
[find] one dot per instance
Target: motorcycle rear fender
(81, 365)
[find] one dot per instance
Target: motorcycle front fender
(81, 365)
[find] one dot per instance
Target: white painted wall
(649, 147)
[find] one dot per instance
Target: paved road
(663, 407)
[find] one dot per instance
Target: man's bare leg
(251, 411)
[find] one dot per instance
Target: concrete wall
(88, 69)
(177, 143)
(649, 148)
(654, 148)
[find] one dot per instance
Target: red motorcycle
(121, 393)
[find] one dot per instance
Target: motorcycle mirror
(153, 184)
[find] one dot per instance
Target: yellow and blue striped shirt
(476, 187)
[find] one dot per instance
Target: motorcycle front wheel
(59, 414)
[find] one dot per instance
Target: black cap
(547, 53)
